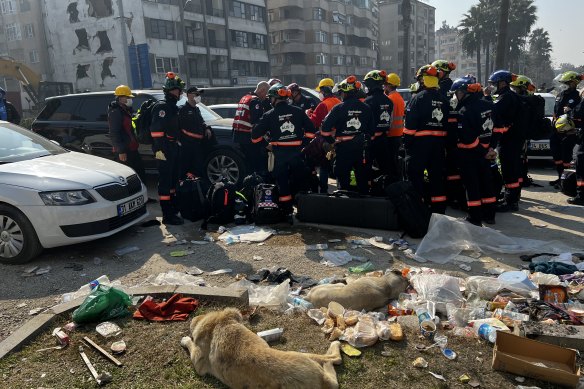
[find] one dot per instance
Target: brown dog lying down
(223, 347)
(366, 293)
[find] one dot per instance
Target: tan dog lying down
(223, 347)
(366, 293)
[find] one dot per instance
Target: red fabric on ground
(176, 308)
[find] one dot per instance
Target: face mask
(321, 96)
(129, 102)
(197, 99)
(563, 87)
(492, 89)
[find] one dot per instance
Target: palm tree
(502, 37)
(471, 31)
(521, 20)
(489, 30)
(540, 49)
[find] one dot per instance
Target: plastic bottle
(423, 314)
(299, 302)
(327, 280)
(86, 289)
(487, 332)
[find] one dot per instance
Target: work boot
(555, 183)
(473, 221)
(173, 220)
(576, 201)
(508, 207)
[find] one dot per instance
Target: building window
(28, 30)
(338, 18)
(8, 6)
(318, 14)
(320, 37)
(24, 6)
(162, 29)
(258, 41)
(239, 38)
(34, 56)
(338, 60)
(237, 9)
(348, 60)
(321, 59)
(338, 78)
(363, 60)
(164, 64)
(338, 39)
(13, 32)
(256, 13)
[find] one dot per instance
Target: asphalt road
(544, 214)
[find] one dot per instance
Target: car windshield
(550, 102)
(19, 144)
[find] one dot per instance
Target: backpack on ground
(266, 209)
(413, 214)
(249, 185)
(568, 183)
(192, 200)
(142, 120)
(221, 199)
(540, 127)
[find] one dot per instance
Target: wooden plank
(102, 351)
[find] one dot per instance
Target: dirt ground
(544, 215)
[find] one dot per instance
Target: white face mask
(563, 87)
(128, 102)
(320, 96)
(492, 89)
(197, 99)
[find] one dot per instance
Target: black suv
(79, 123)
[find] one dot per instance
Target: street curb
(29, 330)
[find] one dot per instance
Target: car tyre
(225, 163)
(19, 242)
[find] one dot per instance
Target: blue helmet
(501, 75)
(462, 83)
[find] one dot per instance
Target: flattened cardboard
(530, 358)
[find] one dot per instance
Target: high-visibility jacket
(249, 110)
(397, 117)
(322, 109)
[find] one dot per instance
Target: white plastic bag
(272, 296)
(447, 237)
(363, 334)
(246, 234)
(440, 288)
(173, 277)
(487, 288)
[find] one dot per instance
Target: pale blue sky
(563, 19)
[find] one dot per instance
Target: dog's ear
(232, 313)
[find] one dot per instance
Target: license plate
(130, 206)
(539, 146)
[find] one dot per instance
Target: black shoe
(555, 182)
(173, 220)
(508, 207)
(473, 221)
(489, 221)
(576, 201)
(151, 201)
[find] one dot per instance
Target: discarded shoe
(173, 220)
(576, 201)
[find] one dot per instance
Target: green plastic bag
(368, 266)
(103, 304)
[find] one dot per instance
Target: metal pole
(125, 44)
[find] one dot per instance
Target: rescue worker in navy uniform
(285, 127)
(562, 144)
(124, 142)
(445, 81)
(193, 132)
(578, 116)
(382, 108)
(472, 134)
(507, 136)
(299, 100)
(165, 131)
(249, 111)
(425, 135)
(350, 126)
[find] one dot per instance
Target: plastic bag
(438, 288)
(103, 304)
(487, 288)
(363, 334)
(265, 296)
(173, 277)
(447, 237)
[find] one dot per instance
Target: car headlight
(67, 197)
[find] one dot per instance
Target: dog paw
(185, 341)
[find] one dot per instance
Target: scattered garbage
(104, 353)
(271, 335)
(199, 242)
(440, 377)
(246, 234)
(420, 363)
(101, 379)
(219, 271)
(104, 303)
(265, 296)
(108, 329)
(208, 238)
(316, 247)
(176, 308)
(181, 253)
(257, 258)
(350, 350)
(173, 277)
(62, 337)
(336, 258)
(368, 266)
(126, 250)
(118, 347)
(86, 289)
(35, 311)
(194, 271)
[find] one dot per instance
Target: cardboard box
(530, 358)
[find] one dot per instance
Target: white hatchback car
(51, 197)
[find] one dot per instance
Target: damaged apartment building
(99, 44)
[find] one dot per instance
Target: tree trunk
(407, 21)
(479, 72)
(487, 61)
(502, 37)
